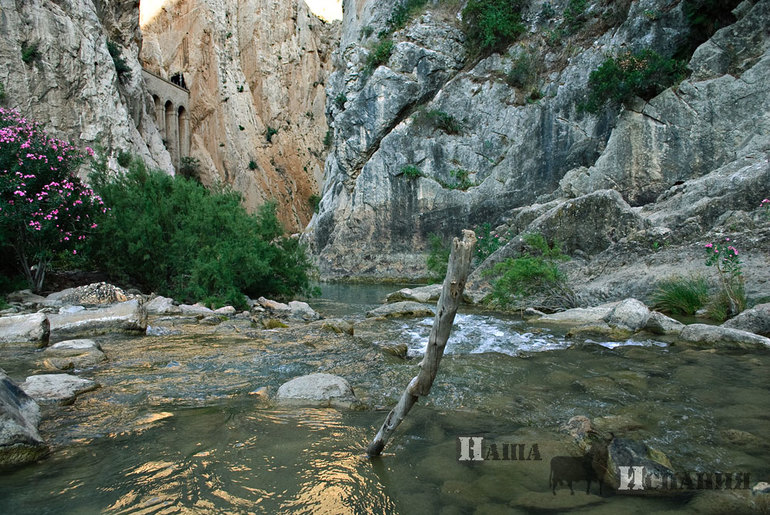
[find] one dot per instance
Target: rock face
(125, 316)
(70, 84)
(252, 67)
(632, 193)
(20, 441)
(33, 328)
(317, 389)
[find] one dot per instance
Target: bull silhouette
(568, 469)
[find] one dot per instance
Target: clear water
(176, 426)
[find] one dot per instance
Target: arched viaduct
(171, 102)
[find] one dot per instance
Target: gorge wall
(433, 141)
(256, 71)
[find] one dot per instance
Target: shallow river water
(177, 425)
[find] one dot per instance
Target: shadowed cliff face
(256, 71)
(70, 83)
(534, 161)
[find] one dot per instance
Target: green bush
(462, 178)
(253, 165)
(2, 92)
(438, 257)
(190, 167)
(523, 72)
(328, 138)
(440, 120)
(172, 236)
(340, 100)
(269, 133)
(121, 67)
(404, 12)
(705, 17)
(124, 158)
(491, 25)
(574, 15)
(314, 201)
(411, 172)
(487, 241)
(644, 74)
(725, 305)
(535, 272)
(379, 54)
(680, 295)
(30, 52)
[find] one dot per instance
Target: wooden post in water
(451, 295)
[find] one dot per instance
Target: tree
(44, 207)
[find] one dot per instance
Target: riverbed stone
(94, 294)
(156, 330)
(755, 320)
(162, 306)
(319, 388)
(722, 337)
(71, 354)
(20, 441)
(196, 309)
(579, 316)
(274, 306)
(401, 309)
(34, 328)
(227, 311)
(123, 317)
(658, 323)
(61, 388)
(631, 453)
(302, 311)
(338, 325)
(429, 293)
(25, 297)
(629, 314)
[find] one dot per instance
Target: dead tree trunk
(451, 295)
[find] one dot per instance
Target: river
(178, 426)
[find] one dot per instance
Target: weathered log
(451, 296)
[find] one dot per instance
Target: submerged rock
(126, 316)
(20, 441)
(71, 354)
(33, 328)
(722, 337)
(623, 452)
(61, 388)
(401, 309)
(338, 325)
(325, 389)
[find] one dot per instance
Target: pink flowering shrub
(765, 204)
(724, 256)
(44, 207)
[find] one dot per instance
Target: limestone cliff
(430, 141)
(55, 67)
(256, 71)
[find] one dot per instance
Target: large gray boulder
(162, 306)
(658, 323)
(95, 294)
(401, 309)
(630, 315)
(125, 316)
(425, 294)
(34, 328)
(325, 389)
(20, 441)
(71, 354)
(755, 320)
(578, 316)
(302, 311)
(722, 337)
(53, 388)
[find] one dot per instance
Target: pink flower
(709, 245)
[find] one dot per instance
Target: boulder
(33, 328)
(338, 325)
(658, 323)
(755, 320)
(423, 294)
(630, 315)
(622, 452)
(401, 309)
(20, 441)
(324, 389)
(25, 297)
(303, 311)
(61, 388)
(197, 309)
(579, 316)
(126, 316)
(722, 337)
(273, 306)
(94, 294)
(227, 311)
(71, 354)
(155, 330)
(162, 306)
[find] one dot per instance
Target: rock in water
(73, 354)
(722, 337)
(630, 315)
(324, 389)
(755, 320)
(402, 309)
(33, 328)
(20, 441)
(126, 316)
(62, 388)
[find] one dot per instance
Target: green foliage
(252, 165)
(725, 305)
(269, 133)
(121, 67)
(411, 172)
(535, 272)
(574, 15)
(732, 295)
(487, 241)
(340, 100)
(172, 236)
(328, 138)
(240, 88)
(379, 54)
(491, 25)
(644, 74)
(681, 295)
(547, 12)
(440, 120)
(705, 17)
(124, 158)
(190, 167)
(462, 178)
(242, 128)
(404, 12)
(2, 92)
(534, 96)
(366, 31)
(438, 257)
(315, 202)
(523, 71)
(30, 52)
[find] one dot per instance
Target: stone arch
(172, 132)
(160, 116)
(184, 132)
